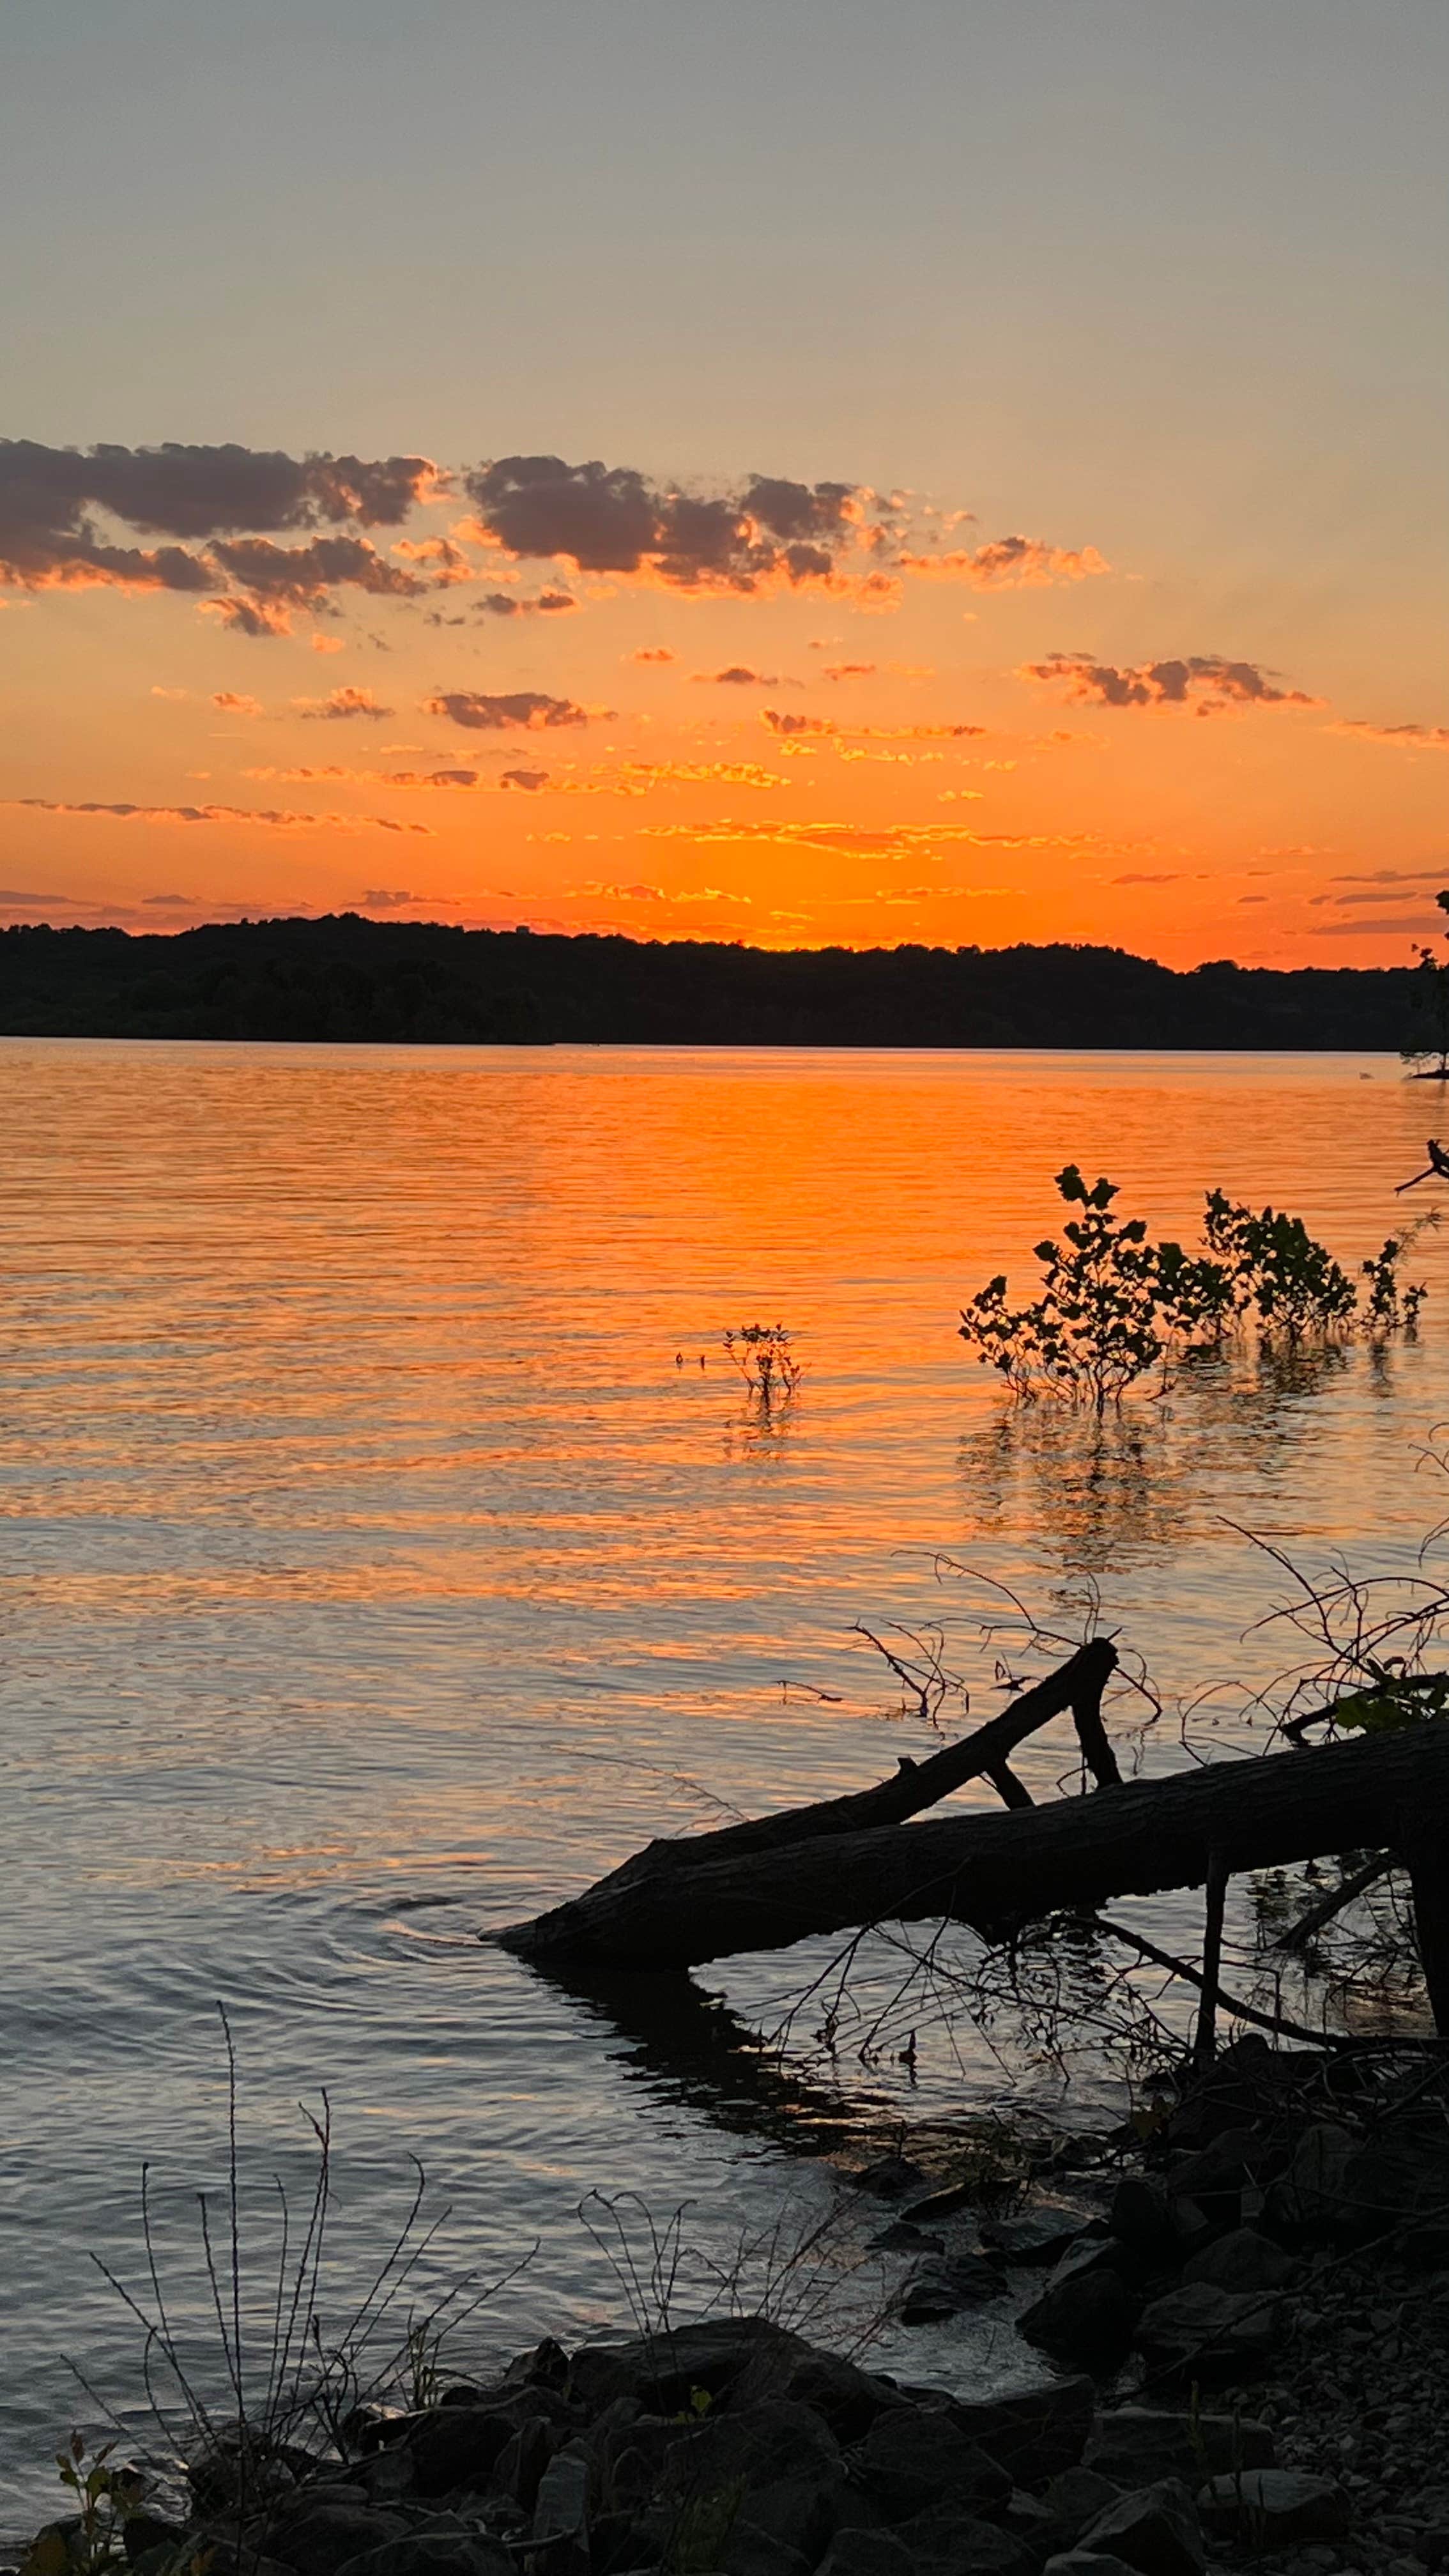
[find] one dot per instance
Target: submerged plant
(1114, 1305)
(762, 1354)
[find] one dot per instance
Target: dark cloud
(653, 653)
(612, 519)
(270, 816)
(299, 576)
(1389, 893)
(1137, 876)
(502, 603)
(1207, 680)
(49, 498)
(529, 780)
(342, 705)
(525, 710)
(782, 723)
(738, 675)
(1395, 876)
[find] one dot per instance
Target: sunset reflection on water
(374, 1572)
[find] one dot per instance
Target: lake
(381, 1563)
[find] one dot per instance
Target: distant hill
(350, 979)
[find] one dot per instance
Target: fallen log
(990, 1871)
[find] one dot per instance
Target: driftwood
(857, 1860)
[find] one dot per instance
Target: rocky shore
(1248, 2351)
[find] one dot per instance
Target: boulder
(457, 2446)
(1140, 2218)
(662, 2372)
(847, 2398)
(858, 2552)
(1135, 2444)
(434, 2553)
(911, 2459)
(777, 2461)
(1314, 2197)
(560, 2534)
(1266, 2509)
(522, 2461)
(321, 2538)
(1085, 2318)
(1211, 2332)
(1086, 2562)
(748, 2551)
(937, 2290)
(946, 2542)
(1042, 2233)
(1241, 2260)
(1034, 2433)
(1155, 2528)
(1072, 2500)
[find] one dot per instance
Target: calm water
(372, 1572)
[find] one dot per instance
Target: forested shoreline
(349, 979)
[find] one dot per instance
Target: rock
(867, 2553)
(1135, 2444)
(523, 2459)
(145, 2532)
(1209, 2331)
(456, 2446)
(1241, 2260)
(1401, 2173)
(663, 2371)
(937, 2290)
(946, 2542)
(322, 2538)
(560, 2535)
(1271, 2508)
(434, 2553)
(1035, 2433)
(1140, 2218)
(1215, 2176)
(1314, 2197)
(1426, 2248)
(751, 2552)
(1085, 2319)
(545, 2365)
(891, 2177)
(904, 2237)
(778, 2462)
(1087, 2562)
(1074, 2499)
(911, 2459)
(1155, 2528)
(846, 2397)
(1040, 2234)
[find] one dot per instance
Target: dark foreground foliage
(347, 978)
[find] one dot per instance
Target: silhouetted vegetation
(1113, 1304)
(353, 980)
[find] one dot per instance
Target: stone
(1242, 2260)
(1141, 2219)
(1314, 2196)
(523, 2459)
(1034, 2433)
(1155, 2528)
(1071, 2500)
(937, 2290)
(663, 2371)
(1271, 2508)
(1210, 2331)
(456, 2446)
(904, 2237)
(1087, 2562)
(781, 2464)
(911, 2459)
(847, 2398)
(434, 2553)
(891, 2177)
(748, 2551)
(858, 2552)
(324, 2536)
(1085, 2319)
(145, 2532)
(946, 2542)
(1135, 2444)
(1426, 2248)
(544, 2365)
(1040, 2234)
(560, 2534)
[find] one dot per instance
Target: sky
(805, 473)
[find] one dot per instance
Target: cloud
(50, 498)
(525, 710)
(276, 579)
(763, 534)
(1389, 893)
(528, 780)
(340, 705)
(738, 675)
(387, 899)
(1401, 737)
(235, 702)
(1408, 924)
(1011, 563)
(792, 727)
(331, 773)
(899, 840)
(502, 603)
(850, 670)
(1435, 876)
(270, 819)
(653, 653)
(1206, 680)
(1142, 877)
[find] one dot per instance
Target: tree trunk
(992, 1870)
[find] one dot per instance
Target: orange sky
(891, 733)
